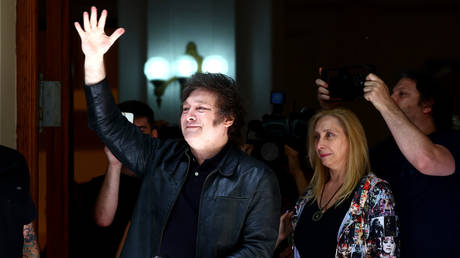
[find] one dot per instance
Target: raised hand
(113, 161)
(324, 99)
(94, 41)
(377, 92)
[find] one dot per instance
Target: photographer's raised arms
(202, 197)
(419, 161)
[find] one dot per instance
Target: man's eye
(185, 109)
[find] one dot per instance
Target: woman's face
(388, 245)
(331, 143)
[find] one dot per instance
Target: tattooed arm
(30, 249)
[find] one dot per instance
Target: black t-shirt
(103, 241)
(319, 238)
(179, 238)
(16, 206)
(428, 206)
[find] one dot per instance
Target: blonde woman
(346, 211)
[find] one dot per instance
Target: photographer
(419, 162)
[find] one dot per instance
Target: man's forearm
(300, 181)
(94, 69)
(107, 200)
(417, 148)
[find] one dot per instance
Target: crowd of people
(203, 195)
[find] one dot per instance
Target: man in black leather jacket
(201, 197)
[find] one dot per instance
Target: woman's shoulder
(370, 181)
(307, 194)
(376, 188)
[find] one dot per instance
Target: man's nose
(191, 116)
(394, 96)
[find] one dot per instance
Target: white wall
(8, 73)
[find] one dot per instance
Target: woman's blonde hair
(358, 157)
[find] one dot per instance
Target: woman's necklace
(319, 214)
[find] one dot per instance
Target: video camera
(347, 82)
(270, 134)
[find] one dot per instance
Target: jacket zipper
(199, 212)
(170, 210)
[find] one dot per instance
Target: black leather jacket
(240, 201)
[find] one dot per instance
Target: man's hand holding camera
(325, 100)
(377, 92)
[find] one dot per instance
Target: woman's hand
(285, 228)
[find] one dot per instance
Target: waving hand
(95, 43)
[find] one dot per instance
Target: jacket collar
(229, 158)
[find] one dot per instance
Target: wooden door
(42, 47)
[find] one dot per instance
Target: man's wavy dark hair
(431, 90)
(228, 99)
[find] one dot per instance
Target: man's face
(202, 126)
(143, 124)
(407, 97)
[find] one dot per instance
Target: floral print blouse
(370, 228)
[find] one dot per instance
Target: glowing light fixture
(215, 64)
(161, 73)
(185, 66)
(157, 68)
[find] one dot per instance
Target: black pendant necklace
(317, 215)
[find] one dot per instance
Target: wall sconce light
(161, 73)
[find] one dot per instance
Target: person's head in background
(212, 111)
(143, 116)
(423, 100)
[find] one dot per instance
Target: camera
(270, 134)
(346, 82)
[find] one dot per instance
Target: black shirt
(319, 238)
(428, 206)
(179, 237)
(104, 241)
(16, 206)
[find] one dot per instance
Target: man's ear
(427, 106)
(228, 121)
(154, 133)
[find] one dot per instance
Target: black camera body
(347, 82)
(270, 134)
